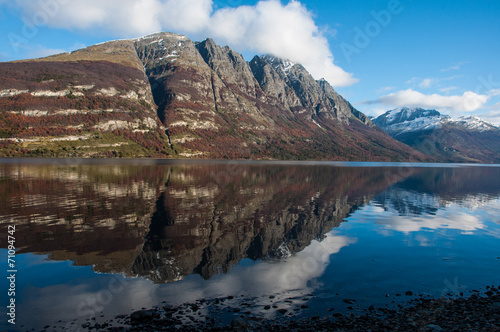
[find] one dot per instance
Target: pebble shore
(478, 312)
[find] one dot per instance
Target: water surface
(101, 238)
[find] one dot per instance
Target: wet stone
(142, 315)
(239, 323)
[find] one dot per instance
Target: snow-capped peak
(279, 64)
(402, 114)
(404, 119)
(474, 123)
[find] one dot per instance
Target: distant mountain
(466, 139)
(164, 95)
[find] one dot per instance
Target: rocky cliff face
(165, 95)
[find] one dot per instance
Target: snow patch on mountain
(280, 65)
(405, 120)
(474, 123)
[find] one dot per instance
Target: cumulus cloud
(284, 30)
(467, 102)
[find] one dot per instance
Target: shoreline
(478, 312)
(225, 162)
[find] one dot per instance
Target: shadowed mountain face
(166, 222)
(165, 95)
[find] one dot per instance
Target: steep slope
(216, 105)
(92, 102)
(165, 95)
(466, 139)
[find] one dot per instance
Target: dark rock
(239, 324)
(409, 293)
(142, 316)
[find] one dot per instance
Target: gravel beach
(478, 312)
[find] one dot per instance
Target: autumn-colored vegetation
(33, 125)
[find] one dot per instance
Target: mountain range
(466, 139)
(164, 95)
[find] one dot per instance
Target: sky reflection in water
(287, 231)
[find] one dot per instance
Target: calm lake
(100, 238)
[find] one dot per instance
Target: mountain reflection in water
(166, 222)
(207, 223)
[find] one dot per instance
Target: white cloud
(468, 101)
(494, 92)
(385, 89)
(405, 224)
(451, 68)
(427, 82)
(456, 66)
(493, 115)
(292, 277)
(431, 81)
(448, 89)
(287, 31)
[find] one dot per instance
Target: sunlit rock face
(164, 95)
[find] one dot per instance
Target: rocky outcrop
(206, 100)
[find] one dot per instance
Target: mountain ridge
(187, 100)
(465, 139)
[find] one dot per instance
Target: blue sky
(378, 54)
